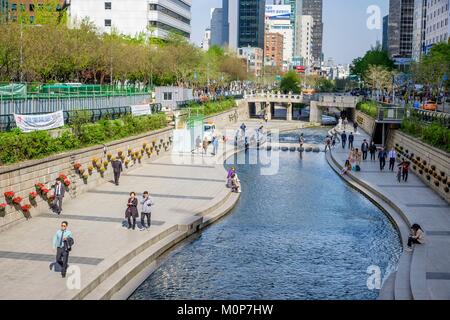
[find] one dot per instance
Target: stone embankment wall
(366, 122)
(430, 164)
(22, 177)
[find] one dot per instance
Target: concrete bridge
(265, 102)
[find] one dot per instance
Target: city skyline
(343, 21)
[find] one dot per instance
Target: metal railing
(8, 123)
(390, 114)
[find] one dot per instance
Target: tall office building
(314, 8)
(206, 42)
(418, 42)
(401, 23)
(251, 23)
(217, 27)
(278, 20)
(132, 17)
(273, 51)
(296, 14)
(307, 43)
(437, 27)
(385, 41)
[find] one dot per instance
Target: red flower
(62, 177)
(44, 190)
(2, 206)
(39, 186)
(9, 194)
(17, 200)
(33, 195)
(67, 182)
(26, 208)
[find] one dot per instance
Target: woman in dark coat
(132, 211)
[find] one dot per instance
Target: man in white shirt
(59, 195)
(392, 156)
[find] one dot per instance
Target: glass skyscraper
(251, 23)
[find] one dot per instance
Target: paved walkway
(420, 204)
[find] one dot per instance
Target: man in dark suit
(351, 138)
(59, 192)
(365, 149)
(117, 168)
(344, 139)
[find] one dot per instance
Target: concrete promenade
(113, 260)
(187, 197)
(424, 273)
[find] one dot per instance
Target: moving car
(429, 106)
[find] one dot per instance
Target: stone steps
(124, 276)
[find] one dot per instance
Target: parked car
(429, 106)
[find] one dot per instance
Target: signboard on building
(38, 122)
(141, 110)
(278, 12)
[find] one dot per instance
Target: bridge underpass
(287, 106)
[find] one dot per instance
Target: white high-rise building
(206, 42)
(306, 42)
(278, 20)
(131, 17)
(437, 27)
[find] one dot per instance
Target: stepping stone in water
(292, 149)
(316, 149)
(284, 148)
(309, 149)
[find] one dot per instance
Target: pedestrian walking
(364, 149)
(146, 212)
(345, 123)
(372, 150)
(198, 144)
(327, 143)
(404, 166)
(382, 155)
(301, 140)
(63, 242)
(355, 126)
(392, 157)
(344, 139)
(132, 211)
(243, 127)
(59, 191)
(333, 141)
(117, 166)
(215, 144)
(351, 138)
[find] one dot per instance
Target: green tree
(374, 57)
(290, 82)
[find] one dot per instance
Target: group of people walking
(131, 212)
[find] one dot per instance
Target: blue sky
(346, 35)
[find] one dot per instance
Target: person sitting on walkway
(382, 155)
(132, 211)
(347, 167)
(231, 171)
(417, 236)
(146, 211)
(358, 157)
(235, 183)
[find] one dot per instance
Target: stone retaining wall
(21, 178)
(432, 156)
(366, 122)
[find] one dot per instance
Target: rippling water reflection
(301, 234)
